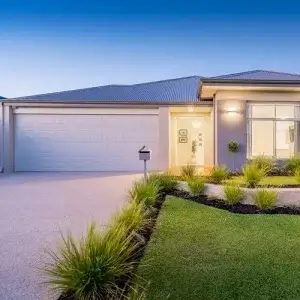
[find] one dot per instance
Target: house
(183, 120)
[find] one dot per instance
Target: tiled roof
(184, 89)
(259, 75)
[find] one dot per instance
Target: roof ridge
(284, 73)
(251, 72)
(167, 80)
(235, 74)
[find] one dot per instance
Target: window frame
(275, 119)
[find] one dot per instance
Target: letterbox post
(145, 155)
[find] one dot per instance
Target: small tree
(233, 147)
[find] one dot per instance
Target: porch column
(164, 144)
(230, 124)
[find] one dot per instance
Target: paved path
(35, 207)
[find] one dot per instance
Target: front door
(189, 141)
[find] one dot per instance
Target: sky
(50, 46)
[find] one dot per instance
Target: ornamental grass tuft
(253, 174)
(93, 267)
(196, 186)
(188, 172)
(144, 192)
(233, 194)
(218, 174)
(265, 199)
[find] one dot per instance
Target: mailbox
(144, 153)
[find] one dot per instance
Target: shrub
(292, 164)
(218, 174)
(144, 192)
(134, 217)
(196, 186)
(165, 181)
(233, 194)
(297, 175)
(265, 163)
(265, 199)
(188, 172)
(91, 268)
(253, 174)
(233, 146)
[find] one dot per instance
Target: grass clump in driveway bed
(199, 252)
(92, 267)
(102, 265)
(144, 192)
(165, 181)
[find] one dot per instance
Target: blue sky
(48, 46)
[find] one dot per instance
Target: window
(273, 130)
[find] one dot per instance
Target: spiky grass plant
(144, 192)
(253, 174)
(188, 172)
(264, 162)
(297, 175)
(233, 194)
(196, 186)
(134, 217)
(219, 173)
(165, 181)
(265, 199)
(93, 267)
(293, 163)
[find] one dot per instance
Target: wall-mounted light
(231, 110)
(196, 124)
(190, 109)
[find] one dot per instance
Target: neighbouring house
(183, 120)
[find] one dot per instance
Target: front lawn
(199, 252)
(270, 180)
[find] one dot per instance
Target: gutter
(28, 102)
(250, 82)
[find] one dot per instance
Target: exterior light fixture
(231, 111)
(190, 109)
(196, 124)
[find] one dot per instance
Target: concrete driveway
(35, 208)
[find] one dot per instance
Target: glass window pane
(285, 139)
(262, 138)
(285, 111)
(263, 111)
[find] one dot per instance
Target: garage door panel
(84, 142)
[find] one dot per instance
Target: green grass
(271, 180)
(199, 252)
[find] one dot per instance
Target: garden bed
(239, 208)
(145, 235)
(286, 196)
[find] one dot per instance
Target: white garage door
(84, 142)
